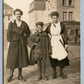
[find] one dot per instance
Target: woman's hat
(54, 13)
(17, 10)
(39, 23)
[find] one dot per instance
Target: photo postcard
(41, 42)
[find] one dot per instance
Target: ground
(30, 73)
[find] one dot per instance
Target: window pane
(70, 2)
(70, 15)
(64, 15)
(63, 2)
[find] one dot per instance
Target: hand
(50, 36)
(35, 43)
(66, 47)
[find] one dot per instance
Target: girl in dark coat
(18, 32)
(41, 48)
(58, 34)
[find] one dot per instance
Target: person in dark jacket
(40, 49)
(58, 34)
(17, 34)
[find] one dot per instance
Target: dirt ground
(30, 73)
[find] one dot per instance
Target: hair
(17, 10)
(54, 13)
(39, 23)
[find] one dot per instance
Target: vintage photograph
(41, 42)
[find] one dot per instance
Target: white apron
(58, 50)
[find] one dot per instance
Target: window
(70, 31)
(70, 15)
(70, 2)
(64, 16)
(64, 2)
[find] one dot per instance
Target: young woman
(18, 32)
(58, 34)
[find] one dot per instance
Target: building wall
(77, 10)
(8, 12)
(37, 5)
(40, 5)
(66, 9)
(57, 5)
(51, 5)
(32, 19)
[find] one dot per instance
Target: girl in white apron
(58, 35)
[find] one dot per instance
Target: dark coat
(17, 52)
(42, 49)
(63, 32)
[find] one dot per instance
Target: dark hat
(17, 10)
(54, 13)
(39, 23)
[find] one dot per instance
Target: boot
(44, 77)
(39, 70)
(20, 77)
(40, 75)
(39, 78)
(54, 75)
(11, 76)
(62, 74)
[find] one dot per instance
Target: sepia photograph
(41, 42)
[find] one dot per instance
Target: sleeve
(49, 45)
(28, 32)
(48, 29)
(64, 34)
(31, 41)
(9, 32)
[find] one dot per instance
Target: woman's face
(54, 19)
(18, 15)
(39, 28)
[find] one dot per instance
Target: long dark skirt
(17, 55)
(62, 63)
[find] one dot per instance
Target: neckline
(20, 25)
(55, 24)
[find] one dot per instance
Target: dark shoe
(39, 78)
(10, 78)
(21, 78)
(63, 76)
(54, 76)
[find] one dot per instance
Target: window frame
(70, 16)
(64, 15)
